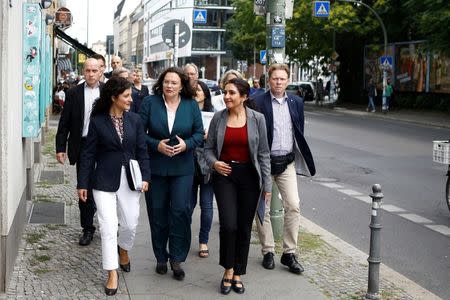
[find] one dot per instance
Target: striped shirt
(283, 133)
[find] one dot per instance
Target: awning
(63, 64)
(72, 42)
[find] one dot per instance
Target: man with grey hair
(72, 132)
(191, 71)
(121, 72)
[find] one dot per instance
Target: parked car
(304, 89)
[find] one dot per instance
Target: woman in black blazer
(115, 136)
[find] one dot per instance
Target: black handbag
(278, 164)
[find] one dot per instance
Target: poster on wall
(439, 73)
(31, 59)
(372, 68)
(411, 67)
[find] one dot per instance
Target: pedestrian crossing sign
(200, 16)
(321, 9)
(263, 57)
(386, 61)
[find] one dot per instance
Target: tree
(245, 32)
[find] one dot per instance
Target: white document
(206, 118)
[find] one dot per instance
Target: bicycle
(441, 154)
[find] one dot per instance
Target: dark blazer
(104, 150)
(71, 122)
(257, 144)
(138, 96)
(303, 154)
(188, 126)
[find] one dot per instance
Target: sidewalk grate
(47, 213)
(52, 177)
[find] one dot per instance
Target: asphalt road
(352, 153)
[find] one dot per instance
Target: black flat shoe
(161, 268)
(226, 289)
(178, 272)
(112, 292)
(86, 238)
(238, 289)
(126, 267)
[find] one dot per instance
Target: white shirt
(170, 116)
(90, 94)
(283, 133)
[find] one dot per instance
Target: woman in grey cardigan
(237, 150)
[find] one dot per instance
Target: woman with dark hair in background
(174, 128)
(202, 177)
(238, 150)
(115, 136)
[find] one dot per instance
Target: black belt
(236, 162)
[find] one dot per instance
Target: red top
(235, 145)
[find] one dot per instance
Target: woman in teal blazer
(174, 129)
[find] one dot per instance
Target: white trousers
(109, 218)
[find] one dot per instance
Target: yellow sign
(81, 58)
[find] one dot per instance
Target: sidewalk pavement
(51, 264)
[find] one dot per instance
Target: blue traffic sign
(321, 9)
(200, 16)
(386, 61)
(278, 37)
(263, 57)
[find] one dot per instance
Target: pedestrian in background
(371, 93)
(320, 92)
(115, 136)
(173, 123)
(121, 72)
(140, 91)
(289, 155)
(228, 75)
(387, 96)
(116, 62)
(72, 132)
(202, 177)
(237, 149)
(191, 71)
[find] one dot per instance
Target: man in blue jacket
(290, 155)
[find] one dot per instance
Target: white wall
(12, 146)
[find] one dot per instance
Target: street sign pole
(275, 28)
(176, 44)
(275, 43)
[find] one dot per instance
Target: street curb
(359, 256)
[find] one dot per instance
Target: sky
(101, 15)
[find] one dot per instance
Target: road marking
(392, 208)
(350, 192)
(439, 228)
(331, 185)
(442, 229)
(365, 199)
(415, 218)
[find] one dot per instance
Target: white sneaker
(372, 110)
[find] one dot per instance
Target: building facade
(201, 26)
(24, 100)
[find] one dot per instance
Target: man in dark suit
(289, 155)
(72, 131)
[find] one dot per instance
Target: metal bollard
(276, 213)
(375, 245)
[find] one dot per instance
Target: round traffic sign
(168, 33)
